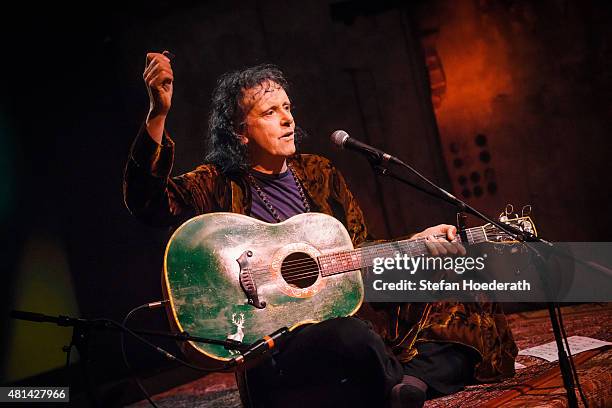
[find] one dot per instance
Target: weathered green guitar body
(231, 276)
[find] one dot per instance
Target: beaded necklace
(267, 202)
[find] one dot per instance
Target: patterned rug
(539, 384)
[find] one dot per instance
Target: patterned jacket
(158, 199)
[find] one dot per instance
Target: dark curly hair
(225, 149)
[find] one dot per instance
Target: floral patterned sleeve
(354, 220)
(156, 198)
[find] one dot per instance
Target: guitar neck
(345, 261)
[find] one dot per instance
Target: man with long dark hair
(252, 168)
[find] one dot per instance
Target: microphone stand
(376, 160)
(81, 333)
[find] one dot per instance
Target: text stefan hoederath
(459, 265)
(427, 263)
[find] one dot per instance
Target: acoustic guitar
(230, 276)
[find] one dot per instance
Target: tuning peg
(526, 210)
(507, 214)
(525, 226)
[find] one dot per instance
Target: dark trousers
(343, 363)
(336, 363)
(445, 367)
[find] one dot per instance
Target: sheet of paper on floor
(577, 344)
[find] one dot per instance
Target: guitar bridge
(247, 283)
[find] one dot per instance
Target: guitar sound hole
(300, 270)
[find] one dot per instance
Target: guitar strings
(298, 271)
(304, 273)
(380, 250)
(307, 272)
(383, 248)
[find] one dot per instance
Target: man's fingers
(156, 64)
(450, 247)
(435, 246)
(158, 77)
(433, 251)
(153, 55)
(158, 73)
(453, 248)
(149, 77)
(165, 75)
(441, 247)
(156, 80)
(452, 236)
(154, 59)
(158, 84)
(461, 248)
(451, 233)
(442, 240)
(150, 68)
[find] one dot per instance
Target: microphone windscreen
(339, 137)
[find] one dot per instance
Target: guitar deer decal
(239, 322)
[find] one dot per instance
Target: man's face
(268, 127)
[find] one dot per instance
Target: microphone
(31, 316)
(261, 346)
(342, 139)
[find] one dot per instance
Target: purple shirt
(282, 193)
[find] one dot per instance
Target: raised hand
(158, 78)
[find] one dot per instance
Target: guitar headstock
(523, 223)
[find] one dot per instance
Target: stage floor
(539, 384)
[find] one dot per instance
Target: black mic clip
(260, 347)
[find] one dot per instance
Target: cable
(124, 355)
(164, 352)
(68, 349)
(125, 329)
(68, 378)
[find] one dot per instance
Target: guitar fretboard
(345, 261)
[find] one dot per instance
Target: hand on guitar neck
(441, 240)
